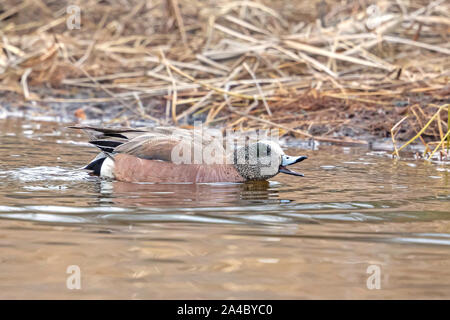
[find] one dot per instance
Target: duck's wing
(151, 146)
(156, 143)
(163, 143)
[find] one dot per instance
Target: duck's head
(263, 160)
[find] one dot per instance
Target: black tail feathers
(95, 166)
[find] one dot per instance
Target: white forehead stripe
(274, 146)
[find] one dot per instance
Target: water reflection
(186, 194)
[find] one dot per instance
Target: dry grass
(431, 147)
(312, 69)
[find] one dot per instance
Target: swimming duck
(154, 154)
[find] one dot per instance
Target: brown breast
(133, 169)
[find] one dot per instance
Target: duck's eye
(263, 150)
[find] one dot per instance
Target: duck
(175, 155)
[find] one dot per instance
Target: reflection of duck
(170, 155)
(185, 194)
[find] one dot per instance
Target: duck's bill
(287, 161)
(291, 172)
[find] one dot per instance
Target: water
(311, 237)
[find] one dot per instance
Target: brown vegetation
(322, 69)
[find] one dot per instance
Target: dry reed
(312, 69)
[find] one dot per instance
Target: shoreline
(373, 143)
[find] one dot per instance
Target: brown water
(311, 237)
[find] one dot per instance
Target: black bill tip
(291, 172)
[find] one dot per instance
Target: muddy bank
(320, 117)
(61, 115)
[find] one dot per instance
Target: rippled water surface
(311, 237)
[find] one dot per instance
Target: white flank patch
(107, 169)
